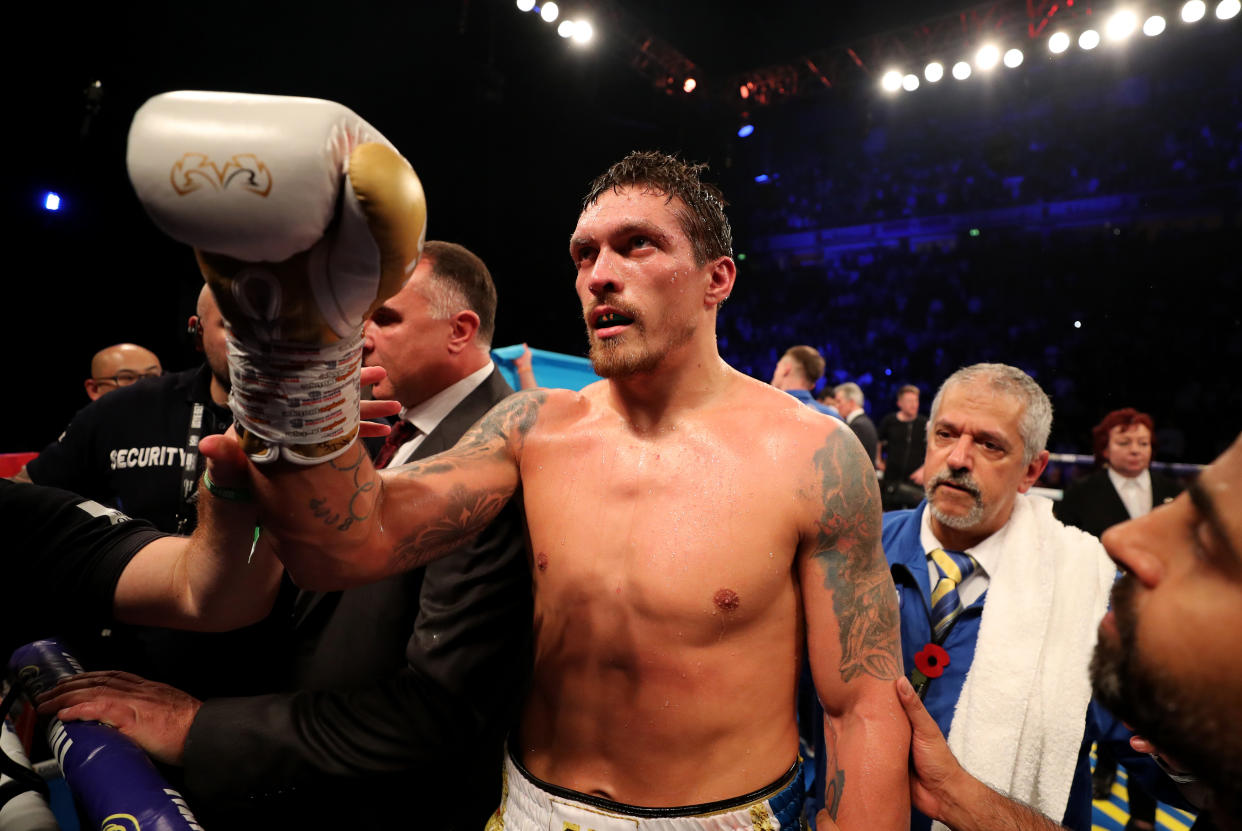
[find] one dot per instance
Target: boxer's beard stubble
(632, 352)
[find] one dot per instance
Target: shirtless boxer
(689, 527)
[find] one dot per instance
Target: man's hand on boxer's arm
(942, 789)
(155, 716)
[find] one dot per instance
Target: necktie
(402, 432)
(946, 605)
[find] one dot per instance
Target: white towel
(1019, 721)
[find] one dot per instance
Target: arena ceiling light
(549, 12)
(910, 82)
(933, 72)
(584, 32)
(961, 70)
(1088, 40)
(1059, 42)
(745, 130)
(987, 57)
(525, 5)
(1121, 25)
(891, 82)
(1013, 58)
(689, 85)
(1227, 9)
(1193, 11)
(566, 28)
(1153, 25)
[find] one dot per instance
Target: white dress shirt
(1135, 491)
(428, 415)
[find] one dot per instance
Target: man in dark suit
(401, 691)
(1123, 488)
(850, 402)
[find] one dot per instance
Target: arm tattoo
(502, 430)
(361, 502)
(467, 511)
(834, 776)
(848, 548)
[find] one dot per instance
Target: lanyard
(186, 511)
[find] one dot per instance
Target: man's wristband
(231, 494)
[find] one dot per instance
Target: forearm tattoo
(468, 510)
(834, 776)
(848, 548)
(361, 502)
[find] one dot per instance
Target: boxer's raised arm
(853, 640)
(343, 523)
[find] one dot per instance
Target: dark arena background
(1078, 214)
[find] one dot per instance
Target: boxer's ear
(720, 283)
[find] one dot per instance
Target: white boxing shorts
(529, 804)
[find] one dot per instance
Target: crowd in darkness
(1148, 129)
(1137, 310)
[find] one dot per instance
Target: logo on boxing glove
(246, 169)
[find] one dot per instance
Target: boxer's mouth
(612, 319)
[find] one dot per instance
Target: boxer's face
(1129, 449)
(642, 293)
(411, 345)
(1169, 657)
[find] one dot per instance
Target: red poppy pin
(931, 660)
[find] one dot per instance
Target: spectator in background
(850, 401)
(797, 373)
(903, 444)
(120, 365)
(1123, 488)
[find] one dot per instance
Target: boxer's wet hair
(460, 280)
(703, 218)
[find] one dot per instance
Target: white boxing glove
(304, 219)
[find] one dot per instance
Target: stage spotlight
(549, 11)
(961, 70)
(761, 178)
(1153, 26)
(746, 129)
(1089, 39)
(1227, 9)
(689, 85)
(933, 72)
(583, 32)
(1059, 42)
(1121, 25)
(525, 5)
(566, 28)
(987, 57)
(744, 91)
(1013, 58)
(51, 201)
(1193, 11)
(910, 83)
(891, 82)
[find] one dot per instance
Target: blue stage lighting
(745, 130)
(51, 201)
(888, 372)
(761, 178)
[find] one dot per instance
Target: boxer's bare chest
(685, 526)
